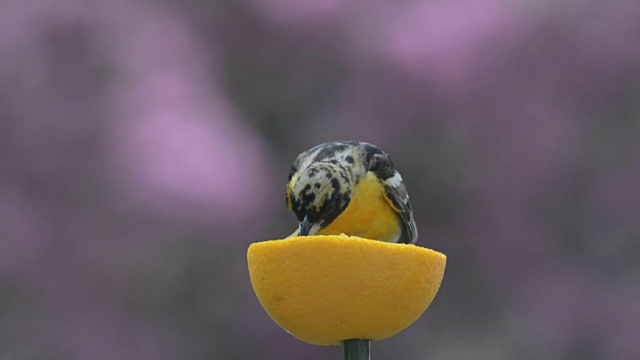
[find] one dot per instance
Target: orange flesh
(326, 289)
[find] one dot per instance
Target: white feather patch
(314, 229)
(394, 181)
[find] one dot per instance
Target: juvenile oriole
(351, 188)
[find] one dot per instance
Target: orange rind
(327, 289)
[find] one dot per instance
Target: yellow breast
(369, 214)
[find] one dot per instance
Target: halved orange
(326, 289)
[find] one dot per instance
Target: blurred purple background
(144, 145)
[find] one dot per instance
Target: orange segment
(326, 289)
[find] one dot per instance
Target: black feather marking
(308, 198)
(292, 171)
(382, 166)
(334, 205)
(329, 151)
(371, 150)
(343, 175)
(297, 208)
(335, 184)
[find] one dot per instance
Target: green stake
(357, 349)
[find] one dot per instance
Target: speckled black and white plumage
(321, 180)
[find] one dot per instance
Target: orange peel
(327, 289)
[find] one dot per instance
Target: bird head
(318, 194)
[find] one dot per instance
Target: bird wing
(395, 192)
(398, 197)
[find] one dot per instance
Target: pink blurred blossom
(183, 146)
(450, 43)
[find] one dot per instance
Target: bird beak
(305, 227)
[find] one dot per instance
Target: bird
(350, 188)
